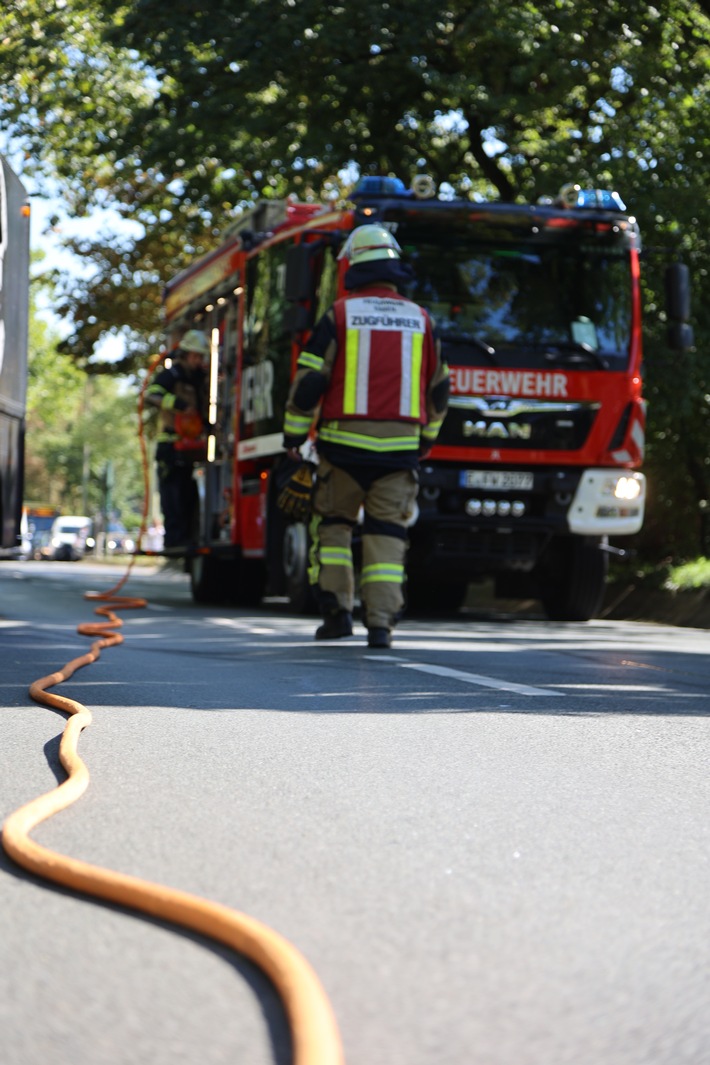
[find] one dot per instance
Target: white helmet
(368, 243)
(195, 340)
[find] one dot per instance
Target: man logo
(497, 430)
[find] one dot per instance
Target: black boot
(379, 638)
(336, 626)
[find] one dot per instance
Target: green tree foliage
(294, 89)
(76, 426)
(120, 287)
(66, 97)
(53, 396)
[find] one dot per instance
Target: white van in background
(68, 536)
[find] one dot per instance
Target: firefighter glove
(295, 497)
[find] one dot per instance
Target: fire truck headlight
(627, 487)
(607, 503)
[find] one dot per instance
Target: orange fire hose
(314, 1032)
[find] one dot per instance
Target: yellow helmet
(368, 243)
(195, 340)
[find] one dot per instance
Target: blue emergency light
(370, 187)
(575, 196)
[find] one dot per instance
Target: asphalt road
(491, 842)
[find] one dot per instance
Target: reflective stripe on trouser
(389, 500)
(331, 562)
(381, 581)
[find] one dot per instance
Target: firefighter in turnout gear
(372, 369)
(177, 392)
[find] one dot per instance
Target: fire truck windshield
(522, 300)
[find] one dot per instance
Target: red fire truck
(538, 310)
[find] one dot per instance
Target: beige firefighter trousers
(388, 501)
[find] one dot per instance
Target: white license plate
(502, 480)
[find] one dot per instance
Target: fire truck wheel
(286, 552)
(287, 546)
(207, 580)
(572, 579)
(294, 559)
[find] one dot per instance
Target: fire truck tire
(294, 560)
(573, 578)
(287, 546)
(207, 580)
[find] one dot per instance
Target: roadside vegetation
(81, 449)
(689, 576)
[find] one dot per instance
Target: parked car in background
(68, 537)
(117, 539)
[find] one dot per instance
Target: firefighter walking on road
(372, 367)
(177, 392)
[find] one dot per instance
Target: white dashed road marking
(467, 678)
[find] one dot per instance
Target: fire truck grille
(516, 426)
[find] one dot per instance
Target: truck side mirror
(299, 278)
(680, 332)
(680, 336)
(678, 292)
